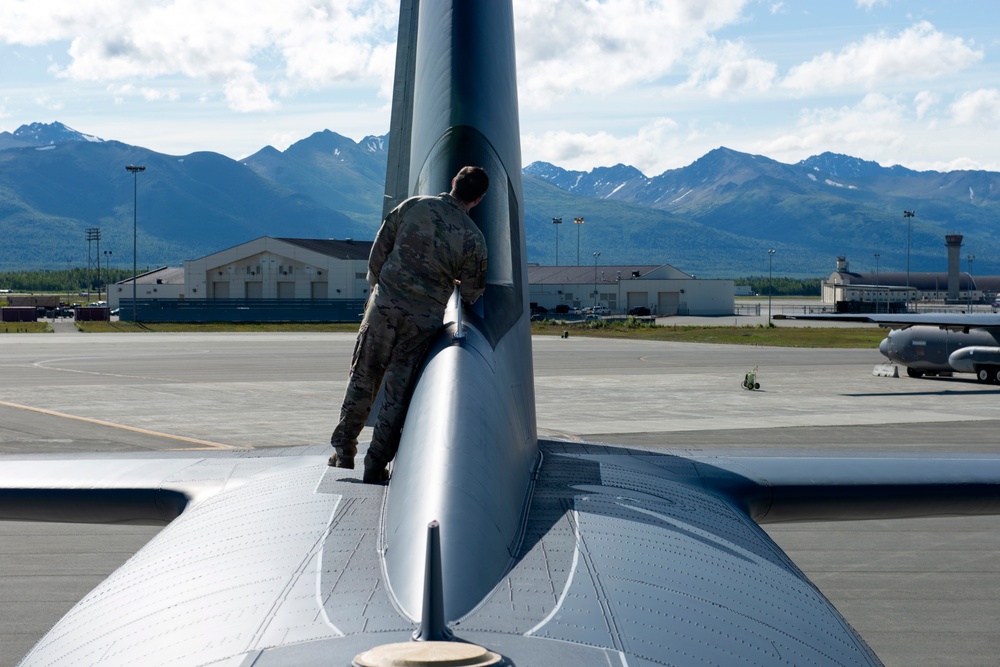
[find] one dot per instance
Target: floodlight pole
(94, 234)
(596, 255)
(770, 257)
(557, 222)
(970, 258)
(135, 198)
(907, 215)
(876, 285)
(107, 266)
(578, 222)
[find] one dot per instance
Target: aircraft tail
(469, 444)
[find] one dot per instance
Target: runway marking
(134, 429)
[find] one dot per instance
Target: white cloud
(874, 126)
(980, 107)
(727, 69)
(569, 46)
(652, 149)
(248, 50)
(49, 103)
(919, 52)
(869, 4)
(923, 102)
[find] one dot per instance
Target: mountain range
(716, 217)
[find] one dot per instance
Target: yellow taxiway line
(144, 431)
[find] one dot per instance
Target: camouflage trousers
(392, 341)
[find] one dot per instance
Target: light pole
(618, 301)
(596, 255)
(970, 258)
(770, 257)
(557, 222)
(107, 266)
(907, 215)
(578, 222)
(876, 284)
(135, 190)
(94, 234)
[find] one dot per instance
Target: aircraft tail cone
(432, 624)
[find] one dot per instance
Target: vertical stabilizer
(397, 171)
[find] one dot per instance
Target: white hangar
(281, 268)
(664, 289)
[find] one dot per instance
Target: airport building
(281, 279)
(267, 279)
(891, 291)
(664, 290)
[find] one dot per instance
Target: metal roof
(339, 249)
(923, 281)
(575, 275)
(165, 275)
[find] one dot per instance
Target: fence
(241, 310)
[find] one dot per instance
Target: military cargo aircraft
(935, 343)
(487, 546)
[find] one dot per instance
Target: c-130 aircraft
(488, 545)
(934, 344)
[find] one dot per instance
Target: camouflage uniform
(423, 246)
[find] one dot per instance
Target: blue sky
(651, 83)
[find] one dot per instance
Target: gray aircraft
(488, 545)
(936, 343)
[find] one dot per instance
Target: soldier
(425, 247)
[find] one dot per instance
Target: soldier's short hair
(470, 183)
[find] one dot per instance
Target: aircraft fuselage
(926, 349)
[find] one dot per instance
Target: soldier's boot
(343, 456)
(376, 472)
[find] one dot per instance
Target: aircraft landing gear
(914, 372)
(988, 374)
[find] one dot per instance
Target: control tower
(954, 244)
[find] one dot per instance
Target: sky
(654, 84)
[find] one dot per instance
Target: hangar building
(310, 279)
(664, 289)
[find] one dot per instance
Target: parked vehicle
(639, 311)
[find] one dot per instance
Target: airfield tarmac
(921, 591)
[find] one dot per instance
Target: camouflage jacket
(423, 246)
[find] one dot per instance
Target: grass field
(860, 337)
(847, 337)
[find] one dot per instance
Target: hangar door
(220, 290)
(637, 299)
(667, 303)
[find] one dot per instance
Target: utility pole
(135, 199)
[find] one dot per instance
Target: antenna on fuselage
(432, 625)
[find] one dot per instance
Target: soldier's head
(469, 185)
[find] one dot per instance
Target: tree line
(59, 280)
(782, 286)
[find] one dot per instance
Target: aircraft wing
(902, 320)
(626, 557)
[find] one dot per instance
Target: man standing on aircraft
(425, 247)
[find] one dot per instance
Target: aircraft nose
(884, 347)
